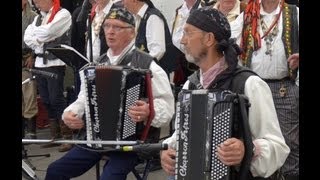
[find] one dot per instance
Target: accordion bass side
(110, 91)
(204, 121)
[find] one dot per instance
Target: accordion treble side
(204, 121)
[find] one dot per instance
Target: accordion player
(205, 120)
(110, 91)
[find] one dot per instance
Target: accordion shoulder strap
(239, 78)
(246, 161)
(138, 59)
(151, 107)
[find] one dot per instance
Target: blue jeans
(51, 91)
(78, 161)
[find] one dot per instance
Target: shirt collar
(115, 60)
(142, 10)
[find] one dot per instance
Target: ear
(210, 39)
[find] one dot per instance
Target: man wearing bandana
(207, 43)
(119, 28)
(100, 9)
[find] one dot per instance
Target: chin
(190, 58)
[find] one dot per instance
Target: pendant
(283, 91)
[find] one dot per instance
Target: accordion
(110, 91)
(204, 121)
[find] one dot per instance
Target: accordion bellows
(204, 121)
(110, 91)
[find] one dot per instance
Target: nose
(183, 40)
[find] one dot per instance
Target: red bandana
(55, 9)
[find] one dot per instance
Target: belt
(277, 80)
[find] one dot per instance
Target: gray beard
(190, 58)
(196, 60)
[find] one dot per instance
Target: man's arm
(271, 149)
(56, 28)
(29, 37)
(37, 35)
(155, 36)
(163, 99)
(78, 106)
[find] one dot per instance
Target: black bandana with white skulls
(210, 20)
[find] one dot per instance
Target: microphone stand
(27, 171)
(90, 38)
(27, 167)
(85, 8)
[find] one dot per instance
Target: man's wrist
(255, 150)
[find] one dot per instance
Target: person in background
(29, 90)
(207, 43)
(153, 34)
(230, 8)
(268, 32)
(50, 28)
(119, 29)
(78, 40)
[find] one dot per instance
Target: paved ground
(41, 163)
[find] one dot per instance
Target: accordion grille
(220, 132)
(129, 126)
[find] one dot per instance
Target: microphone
(44, 73)
(84, 11)
(145, 147)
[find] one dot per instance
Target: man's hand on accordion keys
(139, 111)
(231, 151)
(72, 120)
